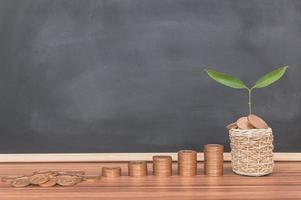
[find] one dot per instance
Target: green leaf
(270, 77)
(226, 80)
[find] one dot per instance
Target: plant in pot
(251, 139)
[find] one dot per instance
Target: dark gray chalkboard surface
(127, 75)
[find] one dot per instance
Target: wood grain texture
(284, 183)
(116, 157)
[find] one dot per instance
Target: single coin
(50, 183)
(77, 179)
(20, 182)
(37, 179)
(65, 180)
(257, 122)
(232, 126)
(162, 158)
(213, 147)
(243, 123)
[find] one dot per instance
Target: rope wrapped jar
(252, 151)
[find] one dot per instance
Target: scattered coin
(257, 122)
(232, 126)
(51, 182)
(65, 180)
(243, 123)
(20, 182)
(77, 179)
(49, 178)
(9, 179)
(38, 179)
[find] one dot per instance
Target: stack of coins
(137, 168)
(187, 163)
(111, 172)
(213, 159)
(162, 165)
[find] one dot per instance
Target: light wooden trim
(115, 157)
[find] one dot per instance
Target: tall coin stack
(187, 163)
(213, 159)
(111, 172)
(162, 165)
(137, 168)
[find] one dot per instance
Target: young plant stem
(250, 100)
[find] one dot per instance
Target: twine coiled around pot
(252, 151)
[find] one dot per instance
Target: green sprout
(234, 82)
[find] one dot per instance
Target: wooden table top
(284, 183)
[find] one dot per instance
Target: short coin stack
(162, 165)
(49, 178)
(137, 168)
(213, 159)
(187, 163)
(111, 172)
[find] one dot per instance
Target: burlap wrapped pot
(252, 151)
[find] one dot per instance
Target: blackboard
(128, 75)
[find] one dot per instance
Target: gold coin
(162, 158)
(50, 183)
(77, 179)
(243, 123)
(257, 122)
(9, 179)
(213, 147)
(232, 126)
(21, 182)
(37, 179)
(65, 180)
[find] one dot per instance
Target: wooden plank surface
(284, 183)
(113, 157)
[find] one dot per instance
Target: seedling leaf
(226, 80)
(270, 77)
